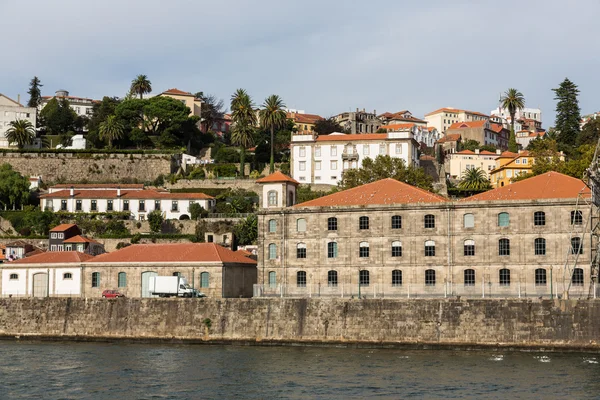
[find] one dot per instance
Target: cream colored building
(193, 103)
(458, 163)
(443, 118)
(11, 110)
(390, 239)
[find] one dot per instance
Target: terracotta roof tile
(277, 176)
(98, 186)
(177, 92)
(340, 137)
(62, 227)
(450, 137)
(392, 127)
(488, 153)
(382, 192)
(551, 185)
(508, 154)
(466, 152)
(80, 239)
(126, 194)
(455, 110)
(468, 124)
(54, 257)
(304, 118)
(173, 252)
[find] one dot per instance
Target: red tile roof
(80, 239)
(277, 176)
(126, 194)
(304, 118)
(451, 137)
(382, 192)
(243, 252)
(468, 124)
(98, 186)
(551, 185)
(425, 157)
(466, 152)
(175, 253)
(351, 137)
(393, 127)
(177, 92)
(496, 127)
(62, 227)
(488, 153)
(54, 257)
(454, 110)
(508, 154)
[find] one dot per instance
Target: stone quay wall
(91, 167)
(454, 323)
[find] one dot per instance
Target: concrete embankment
(535, 324)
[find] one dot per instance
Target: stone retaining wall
(514, 323)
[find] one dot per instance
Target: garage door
(40, 285)
(145, 284)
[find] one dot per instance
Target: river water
(34, 370)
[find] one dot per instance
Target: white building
(441, 119)
(528, 113)
(458, 163)
(422, 134)
(10, 111)
(90, 198)
(322, 159)
(78, 142)
(81, 105)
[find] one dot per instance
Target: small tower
(278, 190)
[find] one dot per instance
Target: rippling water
(136, 371)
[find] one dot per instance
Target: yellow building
(443, 118)
(193, 103)
(304, 123)
(510, 165)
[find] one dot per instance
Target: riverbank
(549, 325)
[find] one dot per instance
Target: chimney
(375, 112)
(356, 109)
(118, 191)
(498, 151)
(72, 192)
(19, 98)
(476, 151)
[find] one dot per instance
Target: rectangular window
(332, 224)
(125, 205)
(157, 205)
(63, 205)
(317, 165)
(302, 165)
(122, 278)
(94, 205)
(142, 206)
(109, 205)
(174, 205)
(539, 218)
(503, 219)
(53, 235)
(301, 251)
(318, 151)
(429, 221)
(382, 149)
(366, 150)
(469, 248)
(576, 218)
(429, 249)
(333, 151)
(61, 235)
(469, 277)
(78, 206)
(396, 222)
(363, 223)
(333, 165)
(398, 148)
(95, 279)
(302, 151)
(332, 250)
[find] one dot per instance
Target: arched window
(430, 248)
(397, 248)
(504, 247)
(332, 278)
(576, 245)
(396, 222)
(469, 276)
(363, 223)
(301, 225)
(122, 279)
(540, 277)
(539, 246)
(469, 247)
(332, 224)
(95, 279)
(301, 250)
(429, 277)
(272, 279)
(364, 278)
(577, 278)
(396, 277)
(504, 277)
(272, 251)
(469, 220)
(332, 250)
(363, 249)
(204, 279)
(503, 219)
(67, 275)
(301, 278)
(429, 221)
(272, 196)
(14, 277)
(272, 226)
(576, 218)
(539, 218)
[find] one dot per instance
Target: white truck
(171, 286)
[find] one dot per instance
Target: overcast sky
(322, 56)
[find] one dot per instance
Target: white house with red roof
(101, 198)
(82, 106)
(322, 159)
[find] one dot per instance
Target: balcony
(350, 155)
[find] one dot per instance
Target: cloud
(321, 56)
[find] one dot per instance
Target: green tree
(512, 100)
(385, 167)
(470, 144)
(111, 129)
(141, 85)
(14, 188)
(58, 117)
(568, 116)
(246, 231)
(327, 126)
(243, 119)
(197, 211)
(590, 133)
(212, 109)
(20, 132)
(155, 220)
(273, 116)
(35, 94)
(100, 111)
(474, 179)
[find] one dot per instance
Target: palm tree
(111, 129)
(141, 85)
(474, 179)
(243, 121)
(273, 116)
(20, 132)
(512, 100)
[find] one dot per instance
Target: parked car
(112, 294)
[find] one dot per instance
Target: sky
(324, 57)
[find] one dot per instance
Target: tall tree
(58, 116)
(243, 121)
(35, 93)
(512, 100)
(14, 188)
(273, 116)
(568, 116)
(20, 132)
(327, 126)
(111, 129)
(212, 110)
(141, 85)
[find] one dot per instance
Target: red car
(112, 294)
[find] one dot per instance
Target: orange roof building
(304, 123)
(443, 118)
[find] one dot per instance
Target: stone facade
(78, 167)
